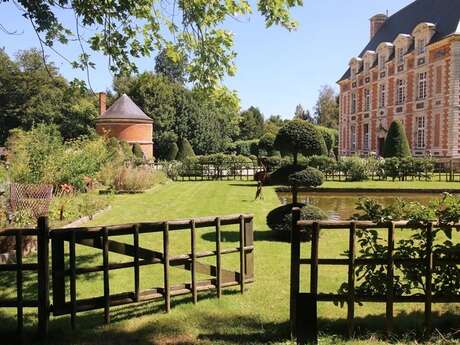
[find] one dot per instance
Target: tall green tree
(303, 114)
(396, 143)
(327, 108)
(32, 93)
(172, 66)
(125, 30)
(252, 124)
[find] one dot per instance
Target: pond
(341, 206)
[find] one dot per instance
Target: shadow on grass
(234, 236)
(212, 326)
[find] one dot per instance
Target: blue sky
(277, 69)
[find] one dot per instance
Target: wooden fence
(303, 306)
(211, 172)
(65, 301)
(440, 176)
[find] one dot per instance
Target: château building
(409, 71)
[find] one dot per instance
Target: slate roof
(124, 109)
(445, 14)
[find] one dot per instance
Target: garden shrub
(274, 162)
(137, 152)
(281, 175)
(330, 137)
(185, 150)
(246, 147)
(279, 220)
(323, 163)
(354, 168)
(309, 177)
(134, 179)
(396, 143)
(391, 167)
(172, 151)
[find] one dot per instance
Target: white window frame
(420, 132)
(367, 99)
(382, 60)
(353, 138)
(421, 46)
(400, 91)
(382, 95)
(400, 55)
(366, 136)
(353, 102)
(422, 85)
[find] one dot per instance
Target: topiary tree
(309, 177)
(172, 152)
(279, 220)
(396, 144)
(267, 144)
(185, 150)
(300, 137)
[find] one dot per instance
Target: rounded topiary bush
(173, 149)
(281, 175)
(279, 220)
(309, 177)
(185, 150)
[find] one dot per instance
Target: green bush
(185, 150)
(279, 220)
(137, 151)
(281, 175)
(173, 150)
(246, 147)
(330, 137)
(396, 144)
(274, 162)
(300, 137)
(354, 168)
(137, 179)
(391, 167)
(266, 145)
(309, 177)
(323, 163)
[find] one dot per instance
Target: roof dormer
(369, 59)
(423, 33)
(402, 44)
(384, 51)
(355, 66)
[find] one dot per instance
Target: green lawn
(260, 316)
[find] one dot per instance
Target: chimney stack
(377, 22)
(102, 102)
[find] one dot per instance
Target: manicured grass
(393, 185)
(260, 316)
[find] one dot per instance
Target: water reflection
(341, 206)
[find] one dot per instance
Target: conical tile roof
(124, 109)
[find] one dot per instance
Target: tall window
(353, 138)
(382, 60)
(400, 91)
(439, 79)
(422, 85)
(353, 103)
(421, 46)
(366, 137)
(367, 100)
(420, 137)
(367, 67)
(400, 56)
(382, 94)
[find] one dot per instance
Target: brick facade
(419, 87)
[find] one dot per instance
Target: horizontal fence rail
(210, 172)
(66, 270)
(440, 176)
(303, 305)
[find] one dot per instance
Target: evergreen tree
(172, 152)
(396, 144)
(185, 150)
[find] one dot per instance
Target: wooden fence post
(249, 256)
(167, 292)
(351, 279)
(390, 282)
(43, 276)
(295, 268)
(428, 277)
(313, 334)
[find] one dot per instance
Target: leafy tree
(302, 114)
(267, 144)
(396, 144)
(185, 150)
(330, 136)
(327, 108)
(172, 66)
(273, 124)
(300, 137)
(130, 29)
(32, 93)
(252, 124)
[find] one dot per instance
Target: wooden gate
(65, 301)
